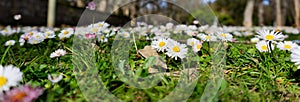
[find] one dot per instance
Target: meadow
(253, 70)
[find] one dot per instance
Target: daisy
(36, 38)
(286, 45)
(160, 44)
(24, 93)
(224, 36)
(263, 46)
(254, 40)
(22, 41)
(270, 35)
(169, 25)
(93, 29)
(102, 38)
(102, 25)
(205, 37)
(66, 33)
(49, 34)
(192, 41)
(175, 49)
(58, 53)
(9, 76)
(191, 33)
(197, 46)
(55, 78)
(295, 56)
(8, 31)
(124, 34)
(10, 43)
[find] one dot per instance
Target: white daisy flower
(58, 53)
(94, 29)
(49, 34)
(254, 40)
(175, 49)
(295, 56)
(124, 34)
(270, 35)
(160, 44)
(9, 76)
(205, 37)
(36, 38)
(10, 43)
(22, 42)
(102, 38)
(102, 25)
(197, 46)
(247, 33)
(55, 78)
(169, 25)
(192, 27)
(286, 45)
(191, 33)
(224, 36)
(192, 41)
(180, 28)
(66, 33)
(263, 46)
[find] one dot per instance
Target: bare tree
(51, 13)
(284, 11)
(278, 13)
(297, 14)
(248, 14)
(261, 13)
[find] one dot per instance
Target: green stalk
(2, 59)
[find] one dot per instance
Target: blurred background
(68, 12)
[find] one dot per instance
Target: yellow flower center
(37, 36)
(287, 46)
(192, 43)
(66, 32)
(30, 33)
(223, 35)
(199, 46)
(176, 49)
(95, 30)
(5, 30)
(19, 97)
(161, 44)
(100, 25)
(270, 37)
(208, 37)
(3, 81)
(101, 37)
(264, 47)
(10, 43)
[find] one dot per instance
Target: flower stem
(2, 59)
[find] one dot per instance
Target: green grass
(248, 74)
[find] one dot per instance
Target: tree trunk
(261, 13)
(102, 5)
(80, 3)
(284, 11)
(248, 14)
(297, 14)
(51, 13)
(278, 13)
